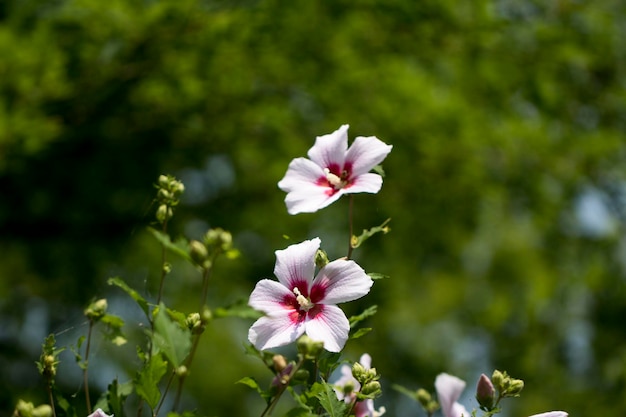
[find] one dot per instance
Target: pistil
(305, 303)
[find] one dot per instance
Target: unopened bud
(163, 181)
(194, 323)
(219, 238)
(308, 347)
(164, 213)
(182, 371)
(348, 388)
(485, 393)
(301, 375)
(96, 310)
(198, 252)
(280, 362)
(321, 259)
(515, 388)
(498, 380)
(359, 372)
(164, 196)
(371, 389)
(423, 397)
(177, 188)
(206, 315)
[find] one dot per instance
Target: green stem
(85, 370)
(164, 230)
(283, 388)
(167, 387)
(350, 209)
(51, 399)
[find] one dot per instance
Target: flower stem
(167, 387)
(51, 399)
(163, 273)
(350, 209)
(283, 387)
(85, 370)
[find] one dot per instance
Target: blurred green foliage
(505, 186)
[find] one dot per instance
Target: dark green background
(505, 186)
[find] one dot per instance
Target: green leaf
(170, 338)
(361, 332)
(143, 304)
(356, 241)
(405, 391)
(239, 309)
(327, 362)
(328, 399)
(300, 412)
(180, 247)
(112, 401)
(147, 381)
(250, 382)
(113, 331)
(377, 275)
(368, 312)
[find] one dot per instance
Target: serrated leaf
(171, 339)
(356, 241)
(143, 304)
(329, 401)
(327, 362)
(147, 382)
(114, 398)
(368, 312)
(179, 247)
(360, 333)
(250, 382)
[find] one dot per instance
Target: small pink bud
(485, 393)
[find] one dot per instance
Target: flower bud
(182, 371)
(359, 372)
(164, 196)
(301, 375)
(348, 388)
(423, 397)
(206, 315)
(43, 410)
(498, 380)
(164, 213)
(321, 259)
(485, 393)
(371, 389)
(198, 252)
(194, 323)
(309, 347)
(280, 362)
(96, 310)
(515, 388)
(163, 181)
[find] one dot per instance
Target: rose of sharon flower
(333, 170)
(449, 389)
(362, 408)
(300, 303)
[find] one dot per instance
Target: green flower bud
(43, 410)
(219, 239)
(177, 188)
(321, 259)
(164, 196)
(194, 323)
(198, 252)
(515, 388)
(164, 213)
(206, 315)
(371, 389)
(182, 371)
(301, 375)
(485, 393)
(498, 380)
(24, 409)
(96, 310)
(423, 397)
(348, 388)
(309, 347)
(359, 372)
(163, 181)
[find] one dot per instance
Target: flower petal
(330, 326)
(268, 296)
(340, 281)
(365, 153)
(310, 198)
(295, 265)
(365, 183)
(277, 330)
(301, 173)
(449, 389)
(366, 361)
(551, 414)
(330, 149)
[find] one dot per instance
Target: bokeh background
(506, 185)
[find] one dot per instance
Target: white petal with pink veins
(296, 263)
(301, 172)
(365, 153)
(449, 389)
(310, 198)
(268, 296)
(330, 326)
(277, 330)
(330, 149)
(342, 281)
(365, 183)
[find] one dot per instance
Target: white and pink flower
(333, 170)
(362, 408)
(300, 303)
(449, 389)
